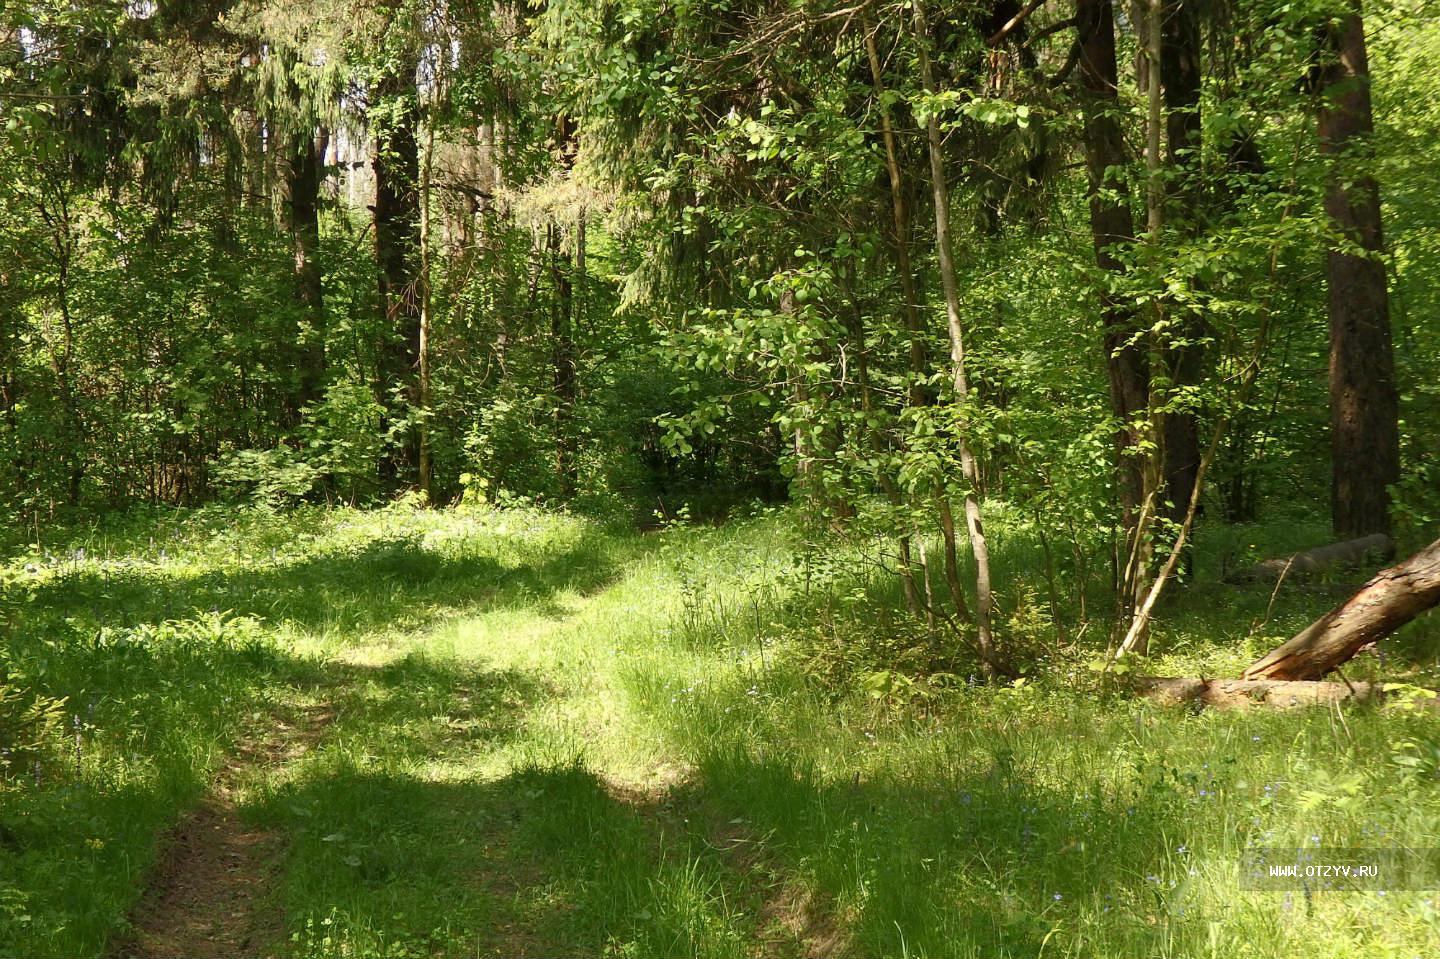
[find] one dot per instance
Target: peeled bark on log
(1351, 552)
(1388, 601)
(1248, 693)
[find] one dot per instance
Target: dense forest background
(654, 478)
(1109, 272)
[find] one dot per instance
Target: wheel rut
(208, 894)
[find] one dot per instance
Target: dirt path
(207, 893)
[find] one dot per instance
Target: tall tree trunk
(396, 164)
(1364, 433)
(800, 398)
(914, 328)
(1112, 225)
(563, 269)
(300, 186)
(1180, 77)
(423, 292)
(979, 549)
(1388, 601)
(1136, 582)
(562, 358)
(56, 214)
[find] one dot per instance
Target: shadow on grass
(950, 863)
(971, 837)
(545, 861)
(382, 583)
(153, 713)
(551, 860)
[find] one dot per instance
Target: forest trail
(510, 733)
(206, 896)
(463, 686)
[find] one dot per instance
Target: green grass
(553, 738)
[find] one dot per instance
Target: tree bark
(1112, 225)
(397, 240)
(1180, 77)
(301, 202)
(1349, 553)
(1388, 601)
(1364, 431)
(984, 599)
(562, 357)
(915, 395)
(424, 294)
(1275, 694)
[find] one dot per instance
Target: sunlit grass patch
(541, 736)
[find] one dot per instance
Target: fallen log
(1392, 598)
(1351, 552)
(1279, 694)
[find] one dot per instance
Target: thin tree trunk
(562, 358)
(914, 328)
(922, 555)
(1364, 432)
(900, 220)
(876, 440)
(423, 294)
(57, 217)
(10, 393)
(984, 599)
(948, 542)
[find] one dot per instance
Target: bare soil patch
(207, 896)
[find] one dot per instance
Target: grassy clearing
(550, 738)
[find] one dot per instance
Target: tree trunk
(62, 236)
(1317, 560)
(1135, 586)
(1275, 694)
(1388, 601)
(1364, 433)
(562, 356)
(915, 395)
(10, 386)
(1112, 225)
(397, 220)
(1180, 77)
(301, 201)
(984, 600)
(423, 293)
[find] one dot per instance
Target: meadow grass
(548, 737)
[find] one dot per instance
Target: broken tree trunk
(1388, 601)
(1352, 552)
(1245, 693)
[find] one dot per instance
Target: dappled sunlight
(645, 757)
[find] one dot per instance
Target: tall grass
(553, 738)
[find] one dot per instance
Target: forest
(731, 479)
